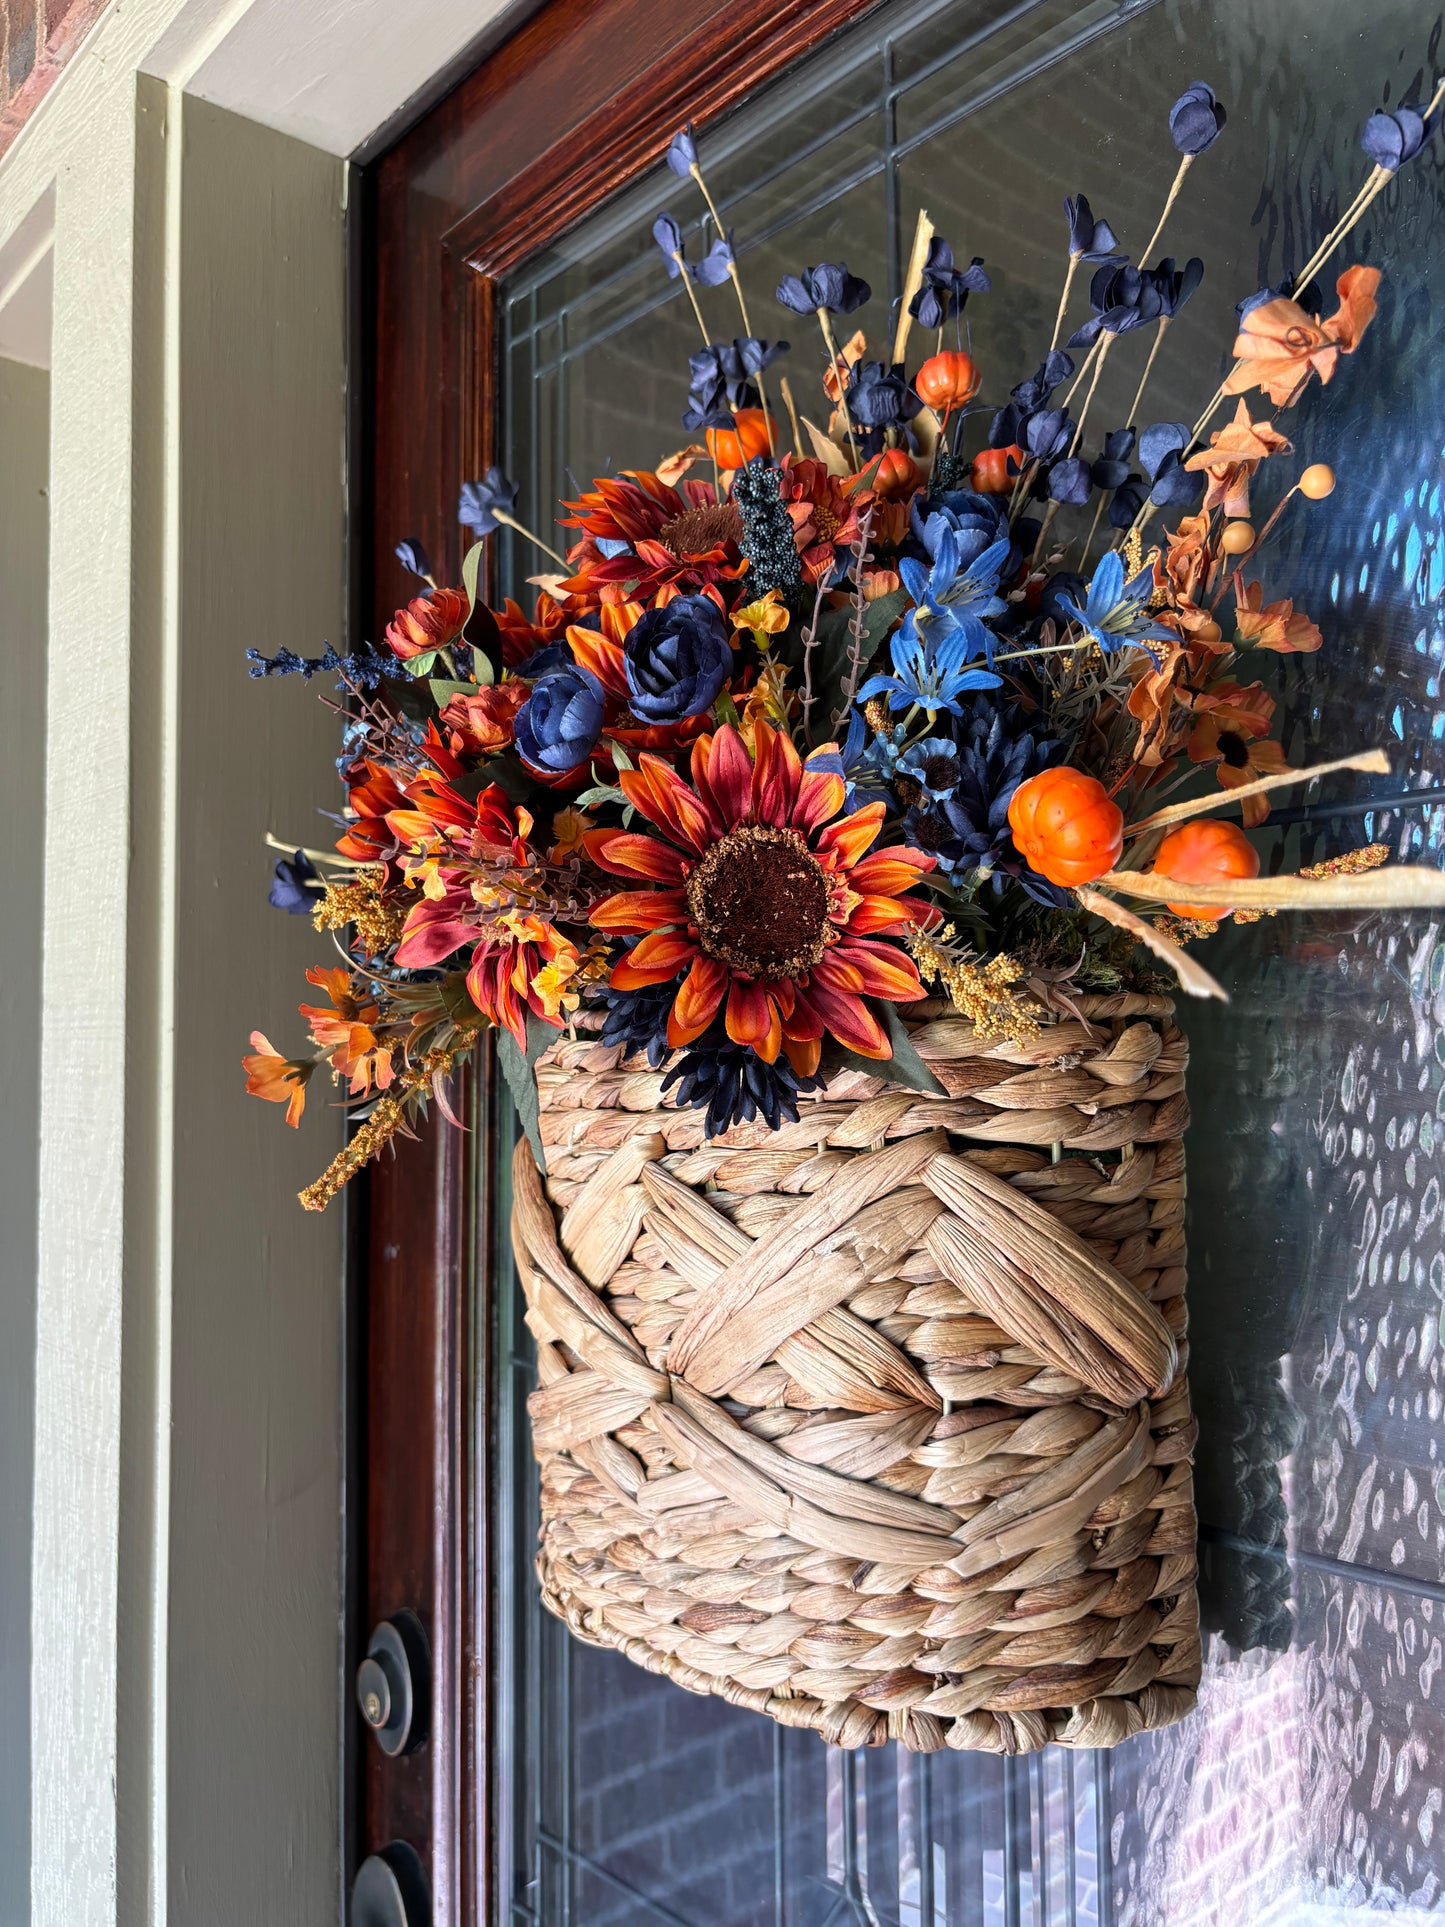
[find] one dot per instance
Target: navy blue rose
(558, 725)
(1196, 118)
(677, 659)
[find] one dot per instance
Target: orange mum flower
(766, 897)
(485, 721)
(429, 621)
(1279, 345)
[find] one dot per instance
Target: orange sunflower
(767, 898)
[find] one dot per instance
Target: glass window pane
(1309, 1777)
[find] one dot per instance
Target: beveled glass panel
(1309, 1782)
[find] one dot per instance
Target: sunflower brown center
(760, 902)
(695, 531)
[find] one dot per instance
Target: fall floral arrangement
(849, 698)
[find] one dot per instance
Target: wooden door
(577, 103)
(504, 210)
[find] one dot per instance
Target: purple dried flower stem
(696, 171)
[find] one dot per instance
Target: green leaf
(619, 755)
(480, 628)
(830, 658)
(600, 793)
(422, 665)
(443, 690)
(521, 1075)
(906, 1067)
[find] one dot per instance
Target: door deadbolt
(393, 1684)
(390, 1890)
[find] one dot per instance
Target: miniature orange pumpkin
(754, 433)
(1205, 853)
(991, 469)
(1066, 826)
(947, 380)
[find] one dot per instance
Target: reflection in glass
(1311, 1773)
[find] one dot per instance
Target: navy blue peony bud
(411, 555)
(480, 500)
(558, 725)
(677, 659)
(1391, 139)
(682, 152)
(298, 887)
(1090, 236)
(1196, 118)
(829, 286)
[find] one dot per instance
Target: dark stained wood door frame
(582, 98)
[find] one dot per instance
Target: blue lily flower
(1116, 611)
(863, 759)
(930, 670)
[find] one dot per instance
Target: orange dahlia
(766, 897)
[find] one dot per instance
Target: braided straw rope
(877, 1423)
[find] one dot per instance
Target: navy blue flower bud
(677, 659)
(1310, 297)
(480, 500)
(1161, 450)
(879, 396)
(944, 289)
(1090, 238)
(558, 725)
(298, 887)
(1111, 467)
(717, 264)
(682, 152)
(1068, 481)
(1196, 118)
(668, 236)
(829, 286)
(1176, 286)
(411, 555)
(1391, 139)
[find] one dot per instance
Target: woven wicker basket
(877, 1424)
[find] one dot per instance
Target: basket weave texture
(877, 1424)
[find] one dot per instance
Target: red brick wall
(37, 37)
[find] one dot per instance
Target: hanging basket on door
(860, 1386)
(877, 1424)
